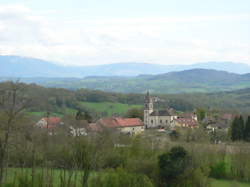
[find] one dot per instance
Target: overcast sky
(88, 32)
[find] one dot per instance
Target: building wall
(161, 121)
(146, 117)
(41, 123)
(132, 130)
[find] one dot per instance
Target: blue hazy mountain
(16, 66)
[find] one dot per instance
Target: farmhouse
(130, 126)
(49, 123)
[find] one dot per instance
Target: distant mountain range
(128, 77)
(188, 81)
(16, 66)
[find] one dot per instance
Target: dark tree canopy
(237, 129)
(247, 130)
(172, 164)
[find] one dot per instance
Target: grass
(58, 176)
(106, 108)
(61, 113)
(44, 114)
(228, 183)
(109, 108)
(53, 176)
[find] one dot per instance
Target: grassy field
(109, 108)
(228, 183)
(56, 177)
(59, 176)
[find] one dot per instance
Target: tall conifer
(234, 134)
(241, 128)
(247, 130)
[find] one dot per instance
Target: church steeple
(148, 108)
(148, 102)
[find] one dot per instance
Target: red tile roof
(187, 122)
(51, 122)
(228, 116)
(120, 122)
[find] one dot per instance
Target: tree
(172, 165)
(201, 114)
(237, 129)
(12, 104)
(234, 134)
(83, 116)
(247, 130)
(135, 113)
(241, 128)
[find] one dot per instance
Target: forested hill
(61, 100)
(188, 81)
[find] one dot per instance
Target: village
(161, 121)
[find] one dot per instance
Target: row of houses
(153, 119)
(157, 119)
(130, 126)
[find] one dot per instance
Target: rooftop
(160, 113)
(120, 122)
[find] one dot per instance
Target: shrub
(218, 170)
(172, 165)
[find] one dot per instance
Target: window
(152, 121)
(166, 121)
(160, 121)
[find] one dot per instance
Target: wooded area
(31, 156)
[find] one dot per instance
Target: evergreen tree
(172, 165)
(234, 134)
(237, 129)
(247, 130)
(241, 128)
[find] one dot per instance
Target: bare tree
(12, 104)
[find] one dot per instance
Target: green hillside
(109, 108)
(189, 81)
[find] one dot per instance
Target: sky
(91, 32)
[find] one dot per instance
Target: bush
(172, 165)
(114, 161)
(218, 170)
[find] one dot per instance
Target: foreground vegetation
(47, 157)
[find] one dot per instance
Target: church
(157, 118)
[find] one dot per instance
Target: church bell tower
(148, 109)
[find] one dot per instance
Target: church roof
(160, 113)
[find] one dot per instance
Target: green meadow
(108, 108)
(16, 176)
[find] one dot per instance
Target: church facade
(156, 118)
